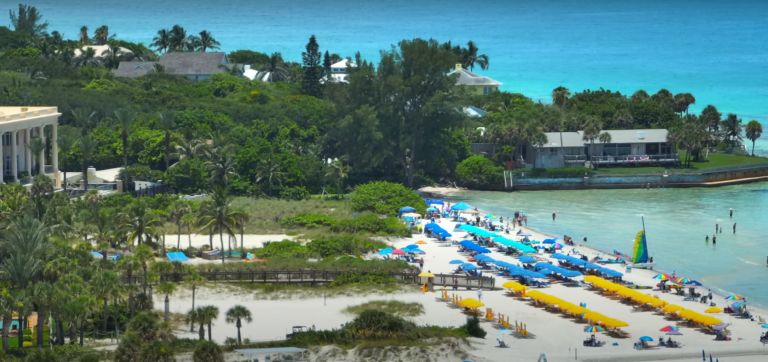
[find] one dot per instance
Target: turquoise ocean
(712, 49)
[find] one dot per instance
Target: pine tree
(310, 85)
(327, 66)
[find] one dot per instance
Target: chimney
(457, 67)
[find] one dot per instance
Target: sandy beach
(558, 337)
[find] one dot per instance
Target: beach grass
(395, 307)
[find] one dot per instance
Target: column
(41, 134)
(14, 158)
(55, 154)
(2, 157)
(27, 151)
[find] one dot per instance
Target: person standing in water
(731, 212)
(734, 228)
(707, 239)
(714, 239)
(553, 216)
(716, 228)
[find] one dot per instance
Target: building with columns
(18, 126)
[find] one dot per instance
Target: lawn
(715, 160)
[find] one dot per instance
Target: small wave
(747, 261)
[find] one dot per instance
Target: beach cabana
(460, 206)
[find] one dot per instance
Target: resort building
(18, 127)
(625, 148)
(193, 65)
(478, 83)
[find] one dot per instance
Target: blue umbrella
(592, 266)
(527, 259)
(412, 246)
(408, 218)
(416, 250)
(456, 262)
(646, 339)
(765, 326)
(483, 258)
(693, 282)
(431, 209)
(536, 275)
(461, 206)
(548, 241)
(385, 251)
(470, 267)
(444, 234)
(407, 209)
(482, 250)
(559, 256)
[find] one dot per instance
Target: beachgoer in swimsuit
(734, 228)
(707, 239)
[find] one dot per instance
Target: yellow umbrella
(519, 288)
(471, 303)
(421, 242)
(591, 278)
(579, 310)
(427, 275)
(713, 310)
(672, 308)
(510, 285)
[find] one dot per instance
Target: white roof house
(339, 70)
(100, 49)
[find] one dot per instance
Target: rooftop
(575, 139)
(468, 78)
(189, 63)
(343, 64)
(133, 69)
(8, 114)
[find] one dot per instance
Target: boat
(641, 259)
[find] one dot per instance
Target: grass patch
(714, 160)
(721, 160)
(394, 307)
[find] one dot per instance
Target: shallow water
(676, 221)
(712, 49)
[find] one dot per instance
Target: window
(7, 139)
(609, 150)
(553, 151)
(7, 165)
(623, 149)
(487, 90)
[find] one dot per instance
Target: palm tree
(186, 148)
(682, 101)
(276, 67)
(195, 280)
(732, 126)
(234, 70)
(560, 96)
(43, 295)
(66, 140)
(101, 35)
(338, 171)
(140, 221)
(83, 37)
(161, 41)
(167, 289)
(206, 41)
(712, 117)
(663, 97)
(221, 165)
(104, 285)
(85, 118)
(88, 146)
(144, 255)
(25, 242)
(591, 133)
(28, 21)
(205, 316)
(167, 118)
(79, 309)
(188, 220)
(236, 315)
(176, 212)
(640, 96)
(241, 220)
(8, 306)
(753, 131)
(471, 57)
(269, 169)
(177, 40)
(87, 58)
(219, 215)
(605, 137)
(36, 147)
(125, 117)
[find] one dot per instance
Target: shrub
(479, 172)
(345, 245)
(473, 327)
(372, 224)
(294, 193)
(285, 248)
(386, 198)
(307, 221)
(372, 278)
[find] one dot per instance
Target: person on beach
(553, 216)
(421, 264)
(480, 294)
(709, 295)
(714, 239)
(673, 274)
(585, 239)
(706, 239)
(731, 213)
(455, 283)
(734, 228)
(716, 228)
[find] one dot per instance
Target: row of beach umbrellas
(576, 261)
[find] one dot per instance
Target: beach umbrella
(466, 243)
(482, 250)
(683, 280)
(421, 242)
(593, 329)
(484, 258)
(412, 246)
(461, 206)
(470, 267)
(490, 217)
(559, 246)
(669, 329)
(527, 259)
(662, 277)
(416, 250)
(407, 209)
(471, 303)
(713, 310)
(592, 266)
(721, 326)
(427, 275)
(738, 304)
(399, 252)
(734, 297)
(385, 251)
(431, 209)
(646, 339)
(456, 262)
(765, 326)
(674, 333)
(408, 218)
(559, 256)
(548, 241)
(672, 308)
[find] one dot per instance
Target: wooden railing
(314, 277)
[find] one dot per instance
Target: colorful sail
(641, 249)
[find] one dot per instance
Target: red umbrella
(399, 252)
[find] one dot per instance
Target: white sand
(558, 337)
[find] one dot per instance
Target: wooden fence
(313, 277)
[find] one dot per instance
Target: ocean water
(713, 49)
(676, 222)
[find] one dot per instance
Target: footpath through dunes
(561, 337)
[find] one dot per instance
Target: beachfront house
(625, 148)
(18, 127)
(193, 65)
(339, 71)
(478, 83)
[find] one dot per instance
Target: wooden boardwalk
(313, 277)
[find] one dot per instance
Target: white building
(18, 126)
(339, 70)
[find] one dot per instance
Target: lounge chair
(501, 344)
